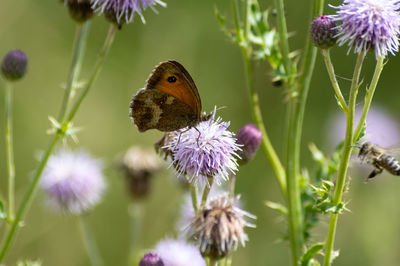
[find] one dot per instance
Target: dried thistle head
(219, 227)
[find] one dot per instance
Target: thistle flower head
(219, 227)
(323, 32)
(206, 151)
(14, 65)
(151, 259)
(73, 181)
(123, 11)
(179, 253)
(139, 165)
(250, 138)
(369, 24)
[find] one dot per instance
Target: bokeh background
(188, 32)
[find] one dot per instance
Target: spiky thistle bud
(14, 65)
(151, 259)
(250, 138)
(323, 32)
(80, 10)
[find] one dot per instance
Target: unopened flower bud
(80, 10)
(250, 138)
(139, 166)
(323, 32)
(14, 65)
(151, 260)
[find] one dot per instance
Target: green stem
(368, 98)
(332, 76)
(232, 182)
(207, 189)
(31, 192)
(193, 194)
(103, 53)
(344, 163)
(258, 120)
(10, 150)
(136, 211)
(283, 38)
(80, 41)
(89, 241)
(213, 262)
(26, 202)
(296, 109)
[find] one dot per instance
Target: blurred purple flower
(151, 260)
(73, 181)
(369, 24)
(179, 253)
(125, 9)
(382, 128)
(209, 150)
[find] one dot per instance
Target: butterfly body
(170, 100)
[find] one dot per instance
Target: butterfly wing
(172, 78)
(155, 109)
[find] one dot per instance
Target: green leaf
(277, 207)
(310, 253)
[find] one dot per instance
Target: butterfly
(170, 100)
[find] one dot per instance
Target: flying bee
(379, 158)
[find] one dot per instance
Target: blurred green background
(188, 32)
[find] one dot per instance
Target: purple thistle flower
(73, 182)
(124, 10)
(179, 253)
(209, 150)
(369, 24)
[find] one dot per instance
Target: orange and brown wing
(172, 78)
(155, 109)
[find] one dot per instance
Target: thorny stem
(193, 194)
(102, 55)
(332, 76)
(232, 182)
(136, 213)
(296, 108)
(26, 202)
(368, 98)
(80, 41)
(10, 150)
(344, 163)
(283, 37)
(207, 189)
(255, 105)
(90, 242)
